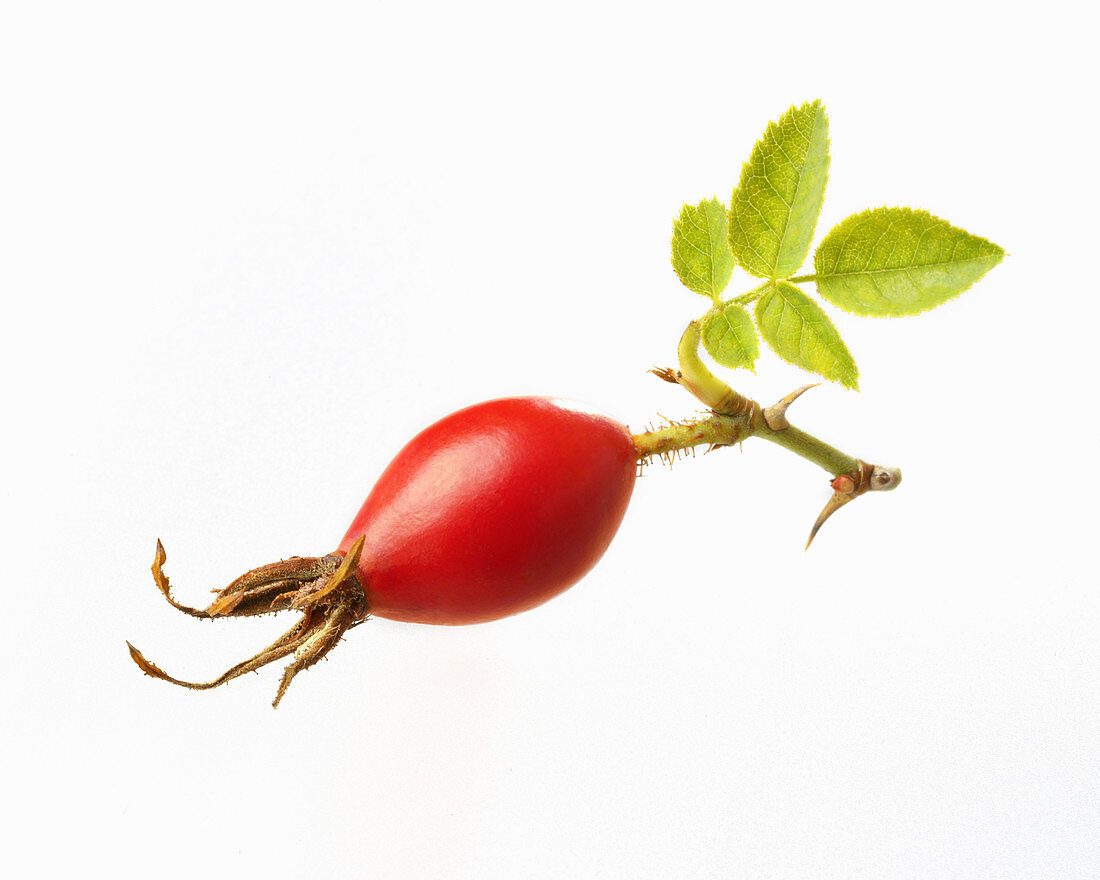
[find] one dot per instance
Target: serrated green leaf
(730, 337)
(778, 199)
(899, 261)
(801, 333)
(700, 251)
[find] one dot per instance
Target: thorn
(775, 416)
(834, 504)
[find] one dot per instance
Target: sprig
(885, 262)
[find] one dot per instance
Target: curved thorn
(834, 504)
(775, 416)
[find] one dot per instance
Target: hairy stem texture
(718, 429)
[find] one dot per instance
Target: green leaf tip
(890, 262)
(775, 207)
(801, 333)
(730, 337)
(700, 251)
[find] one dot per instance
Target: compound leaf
(730, 337)
(899, 261)
(778, 198)
(700, 252)
(801, 333)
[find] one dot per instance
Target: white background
(248, 251)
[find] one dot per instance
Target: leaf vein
(748, 244)
(888, 269)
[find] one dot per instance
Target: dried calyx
(324, 588)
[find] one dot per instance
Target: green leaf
(730, 337)
(778, 199)
(700, 252)
(899, 261)
(801, 333)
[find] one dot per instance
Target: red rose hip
(493, 510)
(489, 512)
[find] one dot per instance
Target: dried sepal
(325, 588)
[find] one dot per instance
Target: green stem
(810, 448)
(719, 429)
(751, 295)
(733, 418)
(715, 430)
(701, 382)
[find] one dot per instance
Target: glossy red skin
(493, 510)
